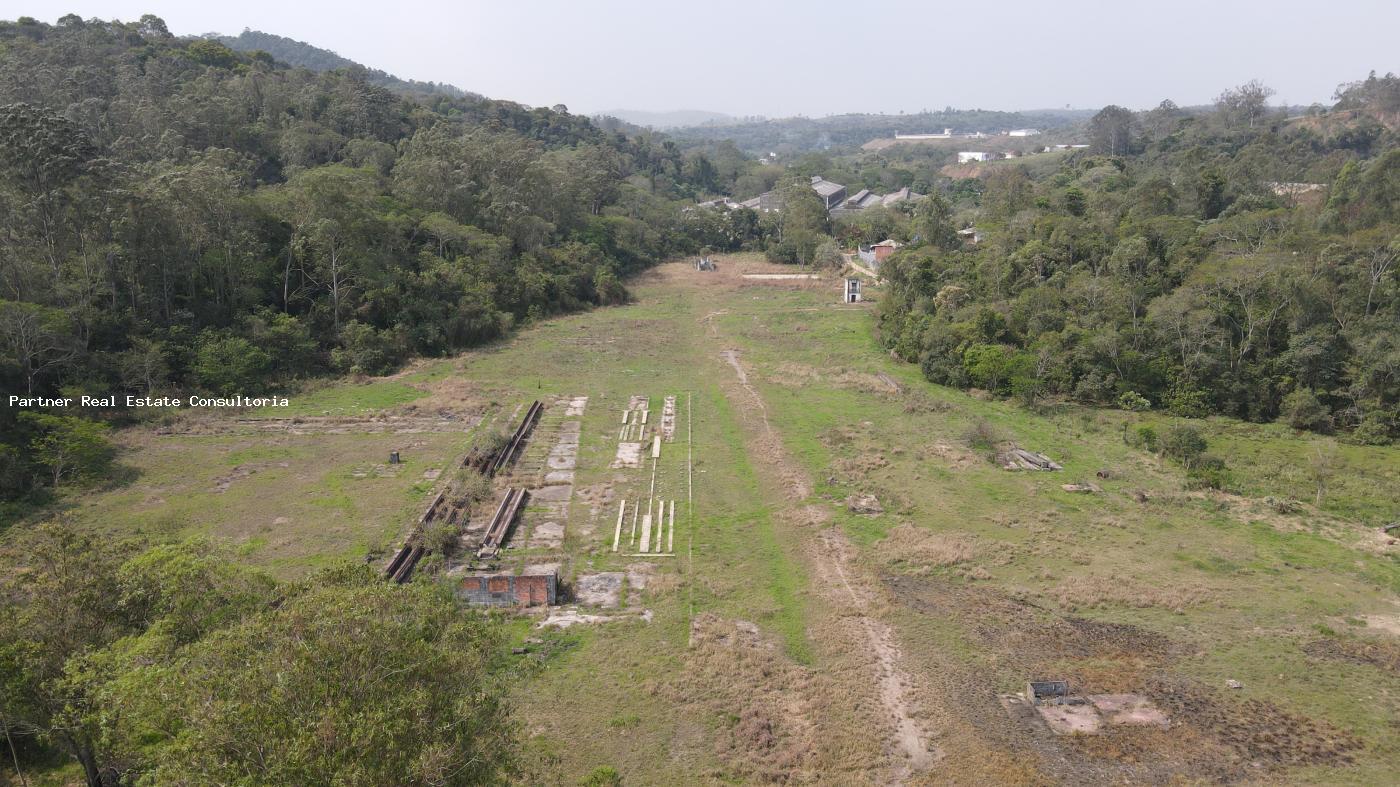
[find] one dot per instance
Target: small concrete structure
(533, 588)
(852, 291)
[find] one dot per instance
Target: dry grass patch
(1096, 591)
(918, 551)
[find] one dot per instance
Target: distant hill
(679, 118)
(801, 134)
(314, 58)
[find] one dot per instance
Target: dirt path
(840, 584)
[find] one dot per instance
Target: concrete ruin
(533, 588)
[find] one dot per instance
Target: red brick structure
(508, 590)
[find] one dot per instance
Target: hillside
(300, 53)
(663, 121)
(799, 135)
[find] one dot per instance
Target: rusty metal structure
(400, 568)
(488, 463)
(499, 528)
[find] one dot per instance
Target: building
(530, 589)
(1023, 132)
(865, 198)
(832, 194)
(852, 294)
(947, 134)
(885, 248)
(972, 155)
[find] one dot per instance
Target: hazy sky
(818, 57)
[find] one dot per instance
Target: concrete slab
(1130, 709)
(552, 494)
(1071, 719)
(559, 477)
(628, 455)
(599, 590)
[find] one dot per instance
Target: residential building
(972, 155)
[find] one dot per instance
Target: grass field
(749, 665)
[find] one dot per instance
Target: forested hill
(1235, 262)
(182, 217)
(299, 53)
(800, 134)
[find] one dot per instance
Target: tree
(1325, 461)
(228, 364)
(349, 681)
(64, 605)
(71, 448)
(1111, 130)
(1244, 104)
(36, 339)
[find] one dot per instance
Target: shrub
(229, 364)
(69, 447)
(603, 776)
(1187, 402)
(983, 435)
(1144, 437)
(1184, 443)
(1302, 409)
(1376, 428)
(1134, 402)
(365, 350)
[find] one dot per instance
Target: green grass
(609, 697)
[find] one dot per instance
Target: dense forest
(179, 216)
(1237, 262)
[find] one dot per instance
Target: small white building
(1023, 132)
(972, 155)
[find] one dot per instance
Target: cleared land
(796, 633)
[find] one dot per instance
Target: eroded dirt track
(848, 596)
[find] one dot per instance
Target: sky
(820, 57)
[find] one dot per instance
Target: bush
(1187, 402)
(229, 364)
(1376, 428)
(1302, 409)
(603, 776)
(1134, 402)
(365, 350)
(983, 435)
(1184, 443)
(1144, 437)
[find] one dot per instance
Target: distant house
(721, 202)
(885, 248)
(972, 155)
(947, 134)
(1023, 132)
(865, 198)
(832, 194)
(970, 235)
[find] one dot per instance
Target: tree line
(1232, 262)
(179, 216)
